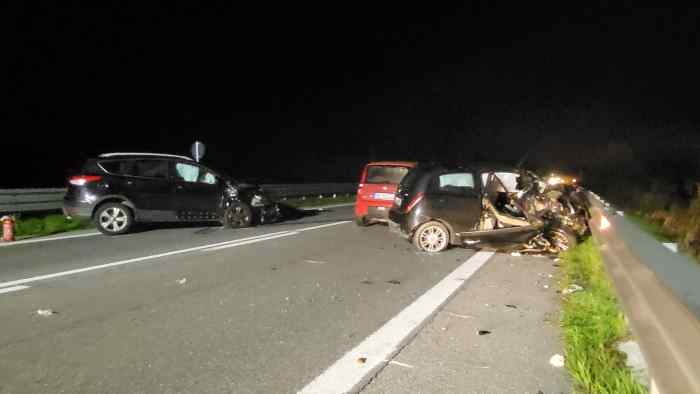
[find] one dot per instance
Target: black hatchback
(117, 190)
(436, 207)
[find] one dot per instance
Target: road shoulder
(512, 298)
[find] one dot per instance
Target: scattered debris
(362, 360)
(460, 316)
(315, 262)
(557, 361)
(572, 289)
(511, 306)
(672, 246)
(392, 362)
(483, 332)
(394, 282)
(516, 254)
(182, 281)
(46, 312)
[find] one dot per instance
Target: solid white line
(129, 261)
(349, 375)
(234, 244)
(13, 288)
(31, 241)
(323, 226)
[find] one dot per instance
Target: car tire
(431, 237)
(562, 238)
(361, 221)
(238, 215)
(113, 219)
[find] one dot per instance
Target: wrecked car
(118, 190)
(436, 206)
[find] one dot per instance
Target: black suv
(117, 190)
(437, 206)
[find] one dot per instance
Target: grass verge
(46, 225)
(593, 324)
(318, 202)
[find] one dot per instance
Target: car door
(197, 192)
(455, 199)
(145, 182)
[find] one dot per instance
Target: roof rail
(116, 154)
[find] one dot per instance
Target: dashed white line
(237, 242)
(349, 375)
(322, 226)
(13, 288)
(260, 239)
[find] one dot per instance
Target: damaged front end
(247, 204)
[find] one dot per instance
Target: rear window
(385, 174)
(455, 183)
(142, 168)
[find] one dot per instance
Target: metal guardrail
(667, 331)
(28, 200)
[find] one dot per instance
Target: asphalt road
(204, 309)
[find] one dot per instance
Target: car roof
(143, 154)
(393, 163)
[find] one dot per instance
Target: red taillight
(80, 180)
(414, 202)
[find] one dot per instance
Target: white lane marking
(31, 241)
(129, 261)
(347, 375)
(13, 288)
(234, 244)
(322, 226)
(393, 362)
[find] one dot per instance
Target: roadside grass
(46, 225)
(593, 324)
(653, 228)
(317, 202)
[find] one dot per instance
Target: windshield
(385, 174)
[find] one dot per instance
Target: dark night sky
(310, 92)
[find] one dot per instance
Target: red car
(375, 193)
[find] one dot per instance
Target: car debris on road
(46, 312)
(572, 289)
(557, 361)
